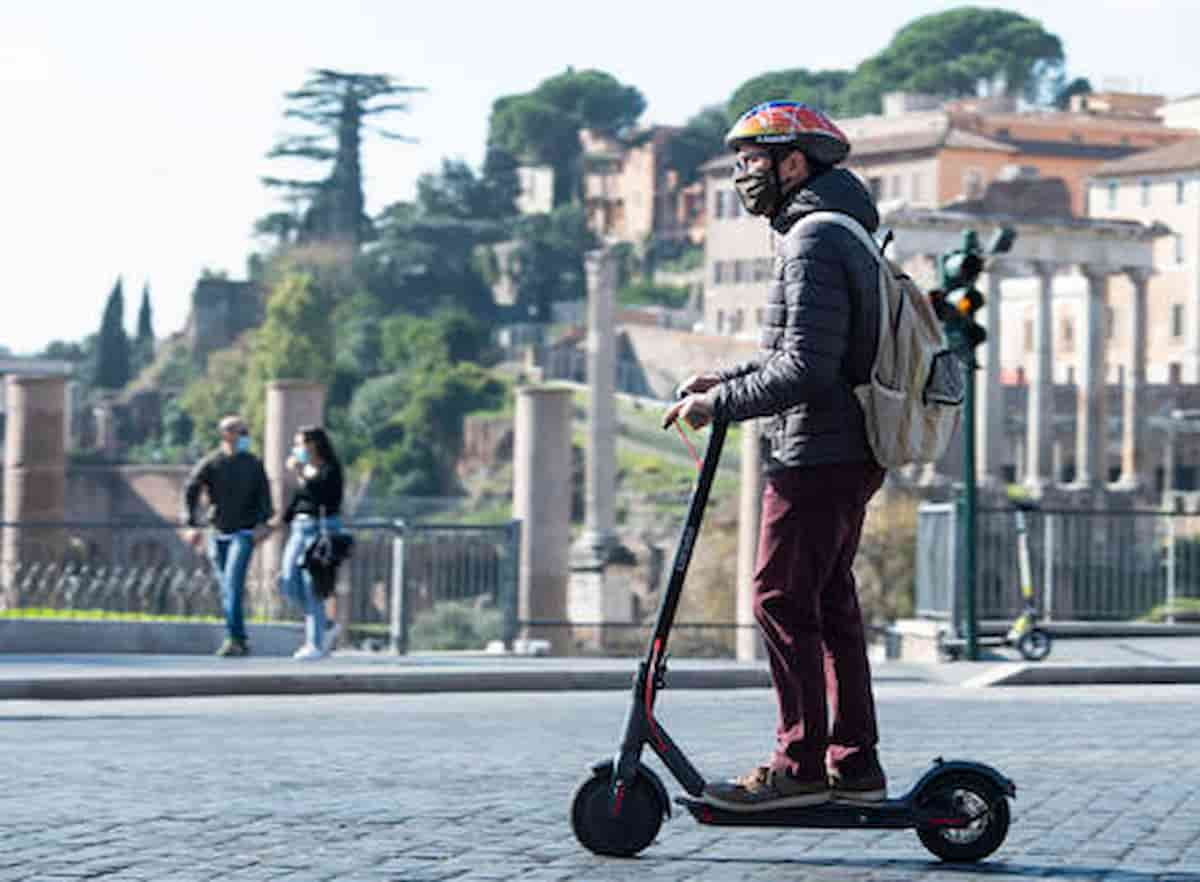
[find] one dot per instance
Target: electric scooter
(1032, 642)
(959, 809)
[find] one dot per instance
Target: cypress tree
(143, 346)
(112, 346)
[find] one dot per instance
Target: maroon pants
(806, 604)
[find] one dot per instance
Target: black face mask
(758, 191)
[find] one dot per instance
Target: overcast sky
(134, 132)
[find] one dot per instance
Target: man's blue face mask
(243, 444)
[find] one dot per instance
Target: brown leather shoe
(763, 789)
(868, 787)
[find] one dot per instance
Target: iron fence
(399, 575)
(1087, 565)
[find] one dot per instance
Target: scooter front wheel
(630, 829)
(1034, 645)
(958, 795)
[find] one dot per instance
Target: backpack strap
(868, 241)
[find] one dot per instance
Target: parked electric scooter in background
(1031, 641)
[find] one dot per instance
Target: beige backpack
(914, 399)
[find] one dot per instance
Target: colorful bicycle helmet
(776, 123)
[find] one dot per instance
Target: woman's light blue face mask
(300, 454)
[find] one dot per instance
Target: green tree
(339, 104)
(701, 138)
(956, 52)
(112, 354)
(219, 391)
(1077, 86)
(820, 88)
(143, 341)
(543, 126)
(295, 342)
(547, 264)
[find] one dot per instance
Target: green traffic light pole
(959, 270)
(967, 505)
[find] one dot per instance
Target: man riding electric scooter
(819, 338)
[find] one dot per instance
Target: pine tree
(143, 345)
(340, 105)
(112, 355)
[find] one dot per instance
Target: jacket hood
(834, 190)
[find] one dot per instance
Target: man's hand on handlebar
(694, 410)
(697, 383)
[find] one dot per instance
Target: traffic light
(959, 299)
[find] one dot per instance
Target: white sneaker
(329, 639)
(308, 652)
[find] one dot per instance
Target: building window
(1110, 322)
(1180, 191)
(1029, 335)
(1178, 237)
(719, 204)
(875, 185)
(758, 316)
(720, 321)
(1145, 192)
(740, 321)
(1020, 375)
(1177, 320)
(1068, 335)
(897, 186)
(1070, 375)
(716, 272)
(1174, 373)
(1112, 194)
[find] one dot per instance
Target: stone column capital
(1045, 270)
(1139, 275)
(1095, 273)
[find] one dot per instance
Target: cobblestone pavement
(476, 787)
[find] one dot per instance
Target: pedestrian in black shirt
(239, 500)
(315, 506)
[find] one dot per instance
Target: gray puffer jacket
(820, 332)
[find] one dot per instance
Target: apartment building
(1160, 186)
(928, 156)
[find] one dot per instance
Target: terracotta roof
(1184, 156)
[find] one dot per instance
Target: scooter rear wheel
(631, 830)
(1034, 645)
(973, 795)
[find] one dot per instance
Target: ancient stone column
(749, 644)
(599, 532)
(542, 489)
(35, 473)
(1039, 423)
(1091, 451)
(990, 399)
(593, 598)
(1132, 431)
(290, 405)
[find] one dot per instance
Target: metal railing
(398, 576)
(1087, 565)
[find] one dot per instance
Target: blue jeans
(296, 584)
(230, 556)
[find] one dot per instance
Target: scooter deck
(892, 814)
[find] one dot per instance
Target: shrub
(456, 625)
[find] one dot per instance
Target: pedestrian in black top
(315, 506)
(239, 502)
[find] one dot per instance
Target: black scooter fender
(605, 768)
(947, 767)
